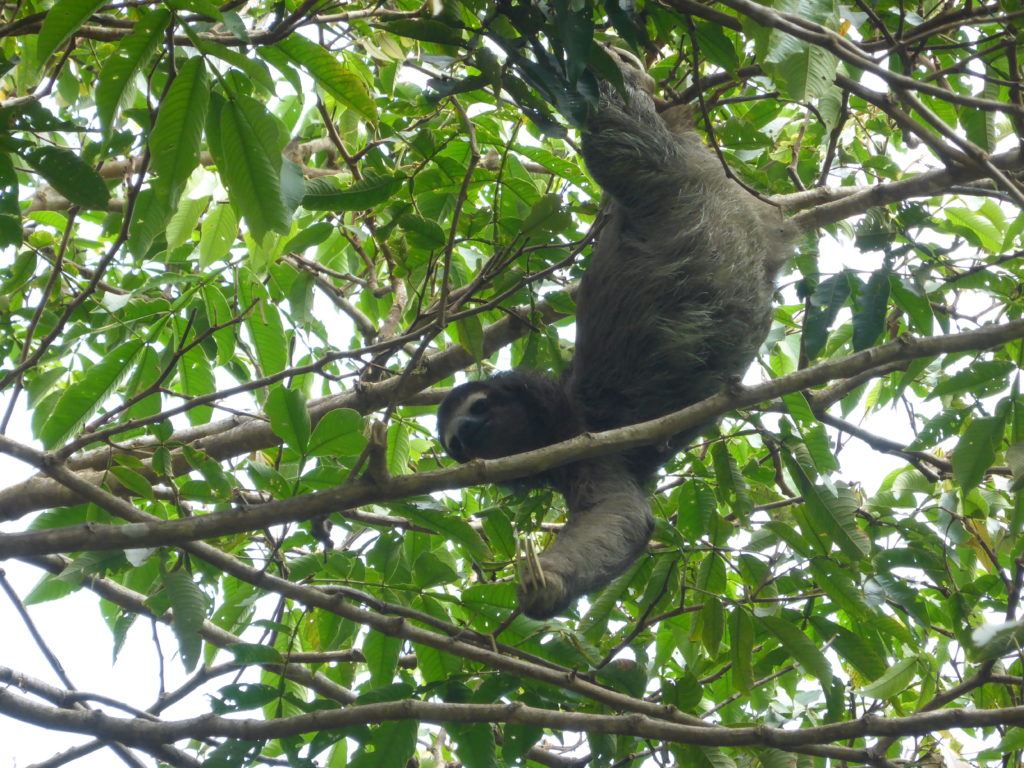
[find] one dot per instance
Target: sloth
(673, 306)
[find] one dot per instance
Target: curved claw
(530, 571)
(542, 589)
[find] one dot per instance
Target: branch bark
(147, 531)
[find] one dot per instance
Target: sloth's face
(476, 421)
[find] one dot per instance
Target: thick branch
(239, 435)
(143, 732)
(154, 533)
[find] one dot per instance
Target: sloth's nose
(456, 450)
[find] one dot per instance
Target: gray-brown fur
(674, 304)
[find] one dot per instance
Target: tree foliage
(248, 247)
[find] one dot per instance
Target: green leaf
(218, 233)
(518, 741)
(712, 622)
(369, 191)
(83, 397)
(857, 650)
(741, 640)
(116, 80)
(398, 448)
(800, 647)
(195, 379)
(546, 216)
(308, 237)
(10, 211)
(992, 641)
(254, 653)
(980, 378)
(60, 22)
(716, 46)
(69, 175)
(183, 222)
(828, 298)
(389, 745)
(428, 30)
(149, 221)
(330, 74)
(289, 418)
(188, 604)
(263, 322)
(254, 69)
(218, 312)
(248, 155)
(976, 450)
(454, 528)
(833, 514)
(838, 584)
(50, 588)
(894, 682)
(976, 227)
(474, 744)
(338, 433)
(1015, 461)
(423, 233)
(178, 132)
(869, 319)
(732, 487)
(471, 336)
(381, 652)
(907, 297)
(805, 72)
(133, 481)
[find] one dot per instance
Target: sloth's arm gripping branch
(609, 526)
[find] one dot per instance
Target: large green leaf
(976, 450)
(833, 513)
(60, 23)
(330, 74)
(288, 417)
(195, 379)
(741, 642)
(218, 233)
(381, 652)
(133, 52)
(474, 744)
(389, 745)
(83, 397)
(893, 682)
(371, 190)
(68, 174)
(454, 529)
(869, 320)
(174, 144)
(188, 604)
(10, 211)
(248, 154)
(800, 647)
(338, 433)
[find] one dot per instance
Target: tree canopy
(247, 248)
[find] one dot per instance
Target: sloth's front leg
(542, 592)
(609, 526)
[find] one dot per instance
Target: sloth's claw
(531, 572)
(542, 589)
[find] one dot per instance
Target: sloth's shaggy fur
(674, 304)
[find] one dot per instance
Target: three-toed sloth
(674, 304)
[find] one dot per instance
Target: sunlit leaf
(84, 396)
(60, 22)
(188, 604)
(68, 174)
(116, 78)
